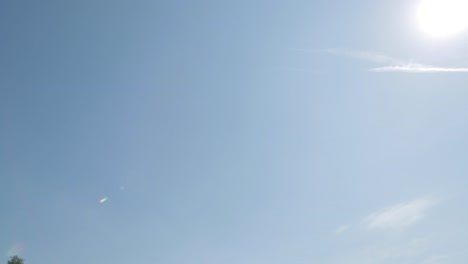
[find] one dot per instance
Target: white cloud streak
(417, 69)
(341, 229)
(366, 55)
(398, 216)
(394, 64)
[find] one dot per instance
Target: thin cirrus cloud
(393, 64)
(398, 216)
(365, 55)
(341, 229)
(417, 68)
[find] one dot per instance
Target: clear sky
(297, 132)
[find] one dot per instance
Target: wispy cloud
(398, 216)
(417, 68)
(365, 247)
(436, 258)
(393, 64)
(366, 55)
(341, 229)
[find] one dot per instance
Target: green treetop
(16, 260)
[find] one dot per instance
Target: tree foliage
(16, 260)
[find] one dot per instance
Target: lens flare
(16, 249)
(103, 200)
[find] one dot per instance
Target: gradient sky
(230, 132)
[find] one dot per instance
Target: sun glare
(441, 18)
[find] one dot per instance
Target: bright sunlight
(441, 18)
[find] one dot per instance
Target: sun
(441, 18)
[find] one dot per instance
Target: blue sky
(231, 132)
